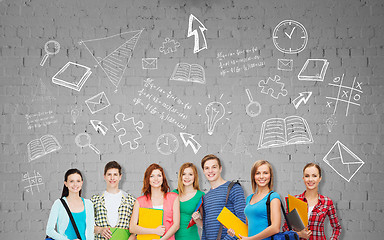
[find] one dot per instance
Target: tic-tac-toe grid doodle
(345, 94)
(33, 182)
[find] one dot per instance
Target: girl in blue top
(256, 208)
(81, 209)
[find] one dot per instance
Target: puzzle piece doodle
(169, 46)
(273, 87)
(131, 128)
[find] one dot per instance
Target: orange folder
(301, 208)
(229, 220)
(150, 218)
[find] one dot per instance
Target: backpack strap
(226, 200)
(71, 217)
(269, 211)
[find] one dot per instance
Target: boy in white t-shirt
(113, 208)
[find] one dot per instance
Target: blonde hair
(180, 185)
(255, 166)
(312, 165)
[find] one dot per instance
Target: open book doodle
(277, 132)
(188, 73)
(41, 147)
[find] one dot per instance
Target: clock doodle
(167, 144)
(290, 37)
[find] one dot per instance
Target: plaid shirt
(323, 208)
(125, 212)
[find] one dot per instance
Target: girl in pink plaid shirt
(319, 207)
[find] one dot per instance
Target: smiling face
(262, 176)
(74, 183)
(156, 179)
(311, 178)
(212, 170)
(112, 177)
(188, 177)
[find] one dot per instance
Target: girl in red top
(157, 195)
(319, 207)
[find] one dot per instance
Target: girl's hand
(196, 215)
(160, 230)
(244, 238)
(231, 232)
(305, 233)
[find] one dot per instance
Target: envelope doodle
(131, 128)
(97, 103)
(343, 161)
(149, 63)
(285, 64)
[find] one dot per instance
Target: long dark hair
(70, 172)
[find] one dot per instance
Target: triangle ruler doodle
(113, 53)
(42, 93)
(236, 143)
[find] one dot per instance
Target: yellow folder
(229, 220)
(301, 207)
(150, 218)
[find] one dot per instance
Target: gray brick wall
(349, 34)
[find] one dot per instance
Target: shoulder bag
(70, 217)
(226, 200)
(288, 235)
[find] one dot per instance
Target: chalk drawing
(302, 98)
(72, 76)
(214, 111)
(42, 93)
(343, 161)
(189, 139)
(277, 132)
(40, 119)
(313, 70)
(188, 73)
(290, 36)
(253, 109)
(130, 130)
(97, 103)
(330, 122)
(51, 47)
(169, 46)
(273, 87)
(99, 127)
(33, 181)
(84, 140)
(236, 143)
(349, 95)
(113, 53)
(240, 60)
(198, 33)
(75, 113)
(163, 103)
(149, 63)
(285, 64)
(167, 144)
(42, 146)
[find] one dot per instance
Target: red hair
(146, 190)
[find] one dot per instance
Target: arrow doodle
(188, 139)
(302, 98)
(99, 127)
(195, 32)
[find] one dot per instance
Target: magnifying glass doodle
(51, 47)
(253, 108)
(84, 140)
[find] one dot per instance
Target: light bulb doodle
(330, 122)
(214, 111)
(75, 114)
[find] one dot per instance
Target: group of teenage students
(116, 208)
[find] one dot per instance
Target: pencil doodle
(113, 53)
